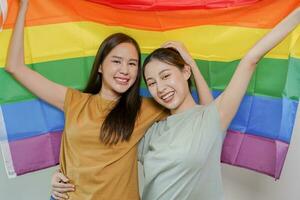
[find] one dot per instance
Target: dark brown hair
(169, 56)
(119, 123)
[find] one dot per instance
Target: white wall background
(239, 184)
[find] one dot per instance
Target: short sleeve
(212, 117)
(143, 146)
(141, 150)
(72, 98)
(207, 129)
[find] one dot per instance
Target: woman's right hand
(60, 186)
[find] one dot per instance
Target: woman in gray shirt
(181, 155)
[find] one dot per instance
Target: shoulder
(151, 110)
(211, 116)
(149, 102)
(75, 97)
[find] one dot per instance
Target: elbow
(10, 69)
(251, 61)
(14, 68)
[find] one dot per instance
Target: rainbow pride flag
(61, 40)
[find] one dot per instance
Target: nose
(124, 69)
(160, 87)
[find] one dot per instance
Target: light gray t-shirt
(181, 156)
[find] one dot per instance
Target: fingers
(63, 187)
(171, 44)
(60, 183)
(61, 177)
(59, 196)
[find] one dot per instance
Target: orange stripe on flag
(263, 14)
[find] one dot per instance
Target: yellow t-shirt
(99, 171)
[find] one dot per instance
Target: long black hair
(120, 121)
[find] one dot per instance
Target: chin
(122, 89)
(171, 105)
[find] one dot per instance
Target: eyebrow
(148, 79)
(158, 73)
(131, 59)
(163, 71)
(118, 57)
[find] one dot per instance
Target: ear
(100, 69)
(187, 72)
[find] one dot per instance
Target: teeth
(167, 95)
(122, 80)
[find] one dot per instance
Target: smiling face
(167, 83)
(119, 70)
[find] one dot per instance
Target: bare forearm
(15, 56)
(45, 89)
(228, 102)
(275, 36)
(204, 93)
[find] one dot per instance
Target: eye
(116, 61)
(150, 84)
(132, 64)
(165, 76)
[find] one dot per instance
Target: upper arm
(229, 101)
(141, 145)
(45, 89)
(144, 143)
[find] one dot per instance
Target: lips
(167, 97)
(122, 80)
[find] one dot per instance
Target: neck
(109, 95)
(187, 103)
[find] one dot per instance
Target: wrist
(23, 6)
(297, 14)
(193, 65)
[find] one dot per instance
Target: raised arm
(228, 102)
(45, 89)
(204, 94)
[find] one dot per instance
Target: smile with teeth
(122, 80)
(168, 96)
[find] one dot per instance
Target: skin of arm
(204, 94)
(228, 102)
(45, 89)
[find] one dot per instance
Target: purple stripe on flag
(255, 153)
(35, 153)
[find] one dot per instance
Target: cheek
(175, 80)
(179, 83)
(134, 71)
(107, 70)
(152, 91)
